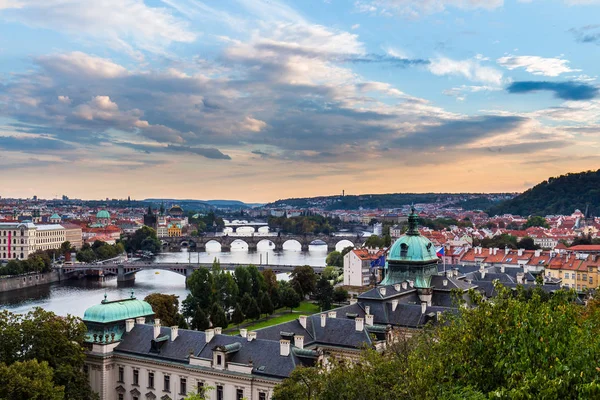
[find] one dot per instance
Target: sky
(259, 100)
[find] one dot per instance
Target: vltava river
(75, 296)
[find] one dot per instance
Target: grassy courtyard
(280, 315)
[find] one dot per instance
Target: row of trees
(523, 345)
(99, 251)
(315, 224)
(217, 298)
(40, 261)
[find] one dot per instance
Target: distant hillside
(392, 200)
(561, 195)
(202, 204)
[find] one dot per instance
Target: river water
(75, 296)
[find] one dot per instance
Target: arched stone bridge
(198, 243)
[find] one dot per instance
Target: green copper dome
(103, 214)
(412, 257)
(118, 310)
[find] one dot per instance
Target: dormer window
(403, 250)
(219, 359)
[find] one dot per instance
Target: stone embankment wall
(8, 283)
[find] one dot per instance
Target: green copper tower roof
(411, 257)
(117, 310)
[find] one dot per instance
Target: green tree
(527, 243)
(243, 280)
(324, 293)
(270, 279)
(29, 380)
(165, 307)
(258, 281)
(335, 259)
(144, 238)
(536, 220)
(303, 280)
(238, 316)
(253, 310)
(347, 250)
(289, 298)
(331, 273)
(199, 320)
(375, 241)
(44, 336)
(340, 295)
(266, 305)
(217, 316)
(200, 284)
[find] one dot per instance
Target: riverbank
(10, 283)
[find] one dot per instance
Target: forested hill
(561, 195)
(392, 200)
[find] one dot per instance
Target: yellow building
(174, 230)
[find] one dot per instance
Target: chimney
(359, 324)
(156, 328)
(411, 284)
(449, 274)
(520, 252)
(140, 320)
(209, 334)
(174, 332)
(323, 320)
(506, 251)
(129, 325)
(369, 320)
(218, 330)
(490, 250)
(299, 341)
(438, 315)
(538, 253)
(353, 301)
(423, 307)
(382, 291)
(243, 332)
(502, 269)
(482, 273)
(404, 285)
(445, 282)
(455, 272)
(251, 336)
(397, 287)
(302, 320)
(394, 304)
(331, 314)
(284, 347)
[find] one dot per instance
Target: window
(219, 392)
(585, 277)
(121, 397)
(403, 250)
(121, 374)
(578, 277)
(262, 396)
(86, 370)
(239, 394)
(201, 388)
(219, 359)
(151, 380)
(591, 280)
(136, 377)
(167, 383)
(183, 386)
(136, 398)
(573, 275)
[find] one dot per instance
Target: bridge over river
(126, 271)
(198, 243)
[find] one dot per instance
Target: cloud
(386, 59)
(470, 69)
(561, 90)
(207, 152)
(80, 65)
(416, 8)
(587, 34)
(537, 65)
(453, 134)
(128, 25)
(32, 144)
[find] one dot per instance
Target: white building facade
(20, 239)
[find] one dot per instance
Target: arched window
(403, 250)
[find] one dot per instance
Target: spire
(413, 219)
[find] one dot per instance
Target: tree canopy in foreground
(522, 345)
